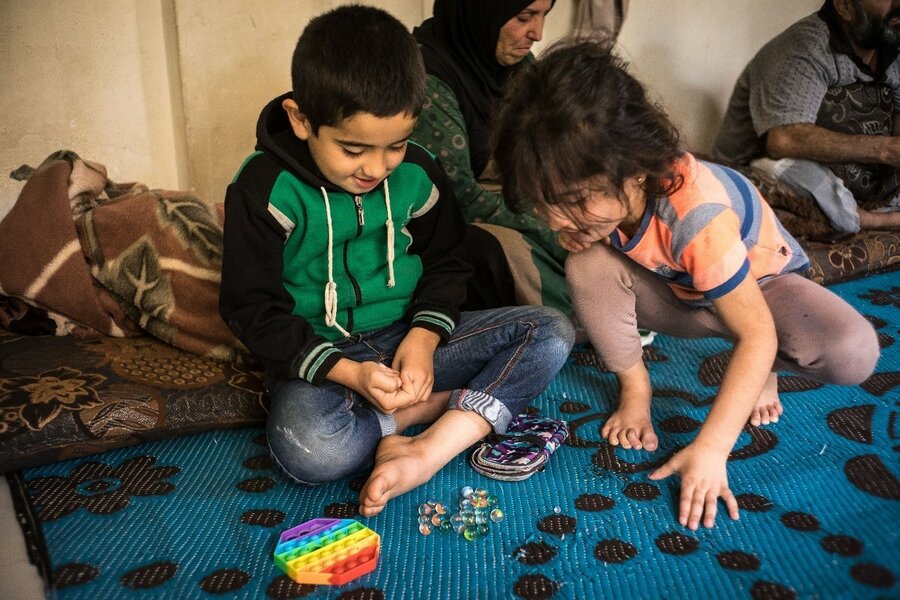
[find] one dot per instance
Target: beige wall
(689, 53)
(95, 76)
(167, 91)
(235, 59)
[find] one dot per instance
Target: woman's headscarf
(459, 44)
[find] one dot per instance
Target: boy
(341, 275)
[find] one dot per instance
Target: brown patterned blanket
(82, 255)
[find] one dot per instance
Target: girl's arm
(701, 464)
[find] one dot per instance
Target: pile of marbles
(476, 510)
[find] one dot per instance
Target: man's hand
(813, 142)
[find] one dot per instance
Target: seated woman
(471, 48)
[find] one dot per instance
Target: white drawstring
(331, 301)
(390, 235)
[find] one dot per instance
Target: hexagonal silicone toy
(327, 551)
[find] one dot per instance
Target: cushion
(864, 253)
(832, 258)
(65, 397)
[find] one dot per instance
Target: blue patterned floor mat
(200, 516)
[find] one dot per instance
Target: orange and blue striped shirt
(708, 235)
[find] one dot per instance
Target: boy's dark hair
(355, 59)
(576, 114)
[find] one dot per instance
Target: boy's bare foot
(630, 427)
(400, 465)
(768, 407)
(422, 412)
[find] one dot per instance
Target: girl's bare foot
(630, 427)
(400, 465)
(768, 407)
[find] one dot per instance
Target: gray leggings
(820, 336)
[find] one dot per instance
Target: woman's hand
(704, 479)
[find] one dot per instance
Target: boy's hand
(704, 478)
(414, 360)
(380, 385)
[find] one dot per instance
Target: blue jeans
(494, 364)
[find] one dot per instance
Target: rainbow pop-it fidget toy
(327, 551)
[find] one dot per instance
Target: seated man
(817, 108)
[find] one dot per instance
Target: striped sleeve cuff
(437, 322)
(318, 362)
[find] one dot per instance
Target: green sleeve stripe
(314, 360)
(435, 318)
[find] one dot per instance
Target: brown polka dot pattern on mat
(641, 491)
(677, 543)
(557, 524)
(342, 510)
(73, 574)
(224, 581)
(873, 575)
(149, 576)
(800, 521)
(594, 502)
(263, 517)
(284, 588)
(614, 551)
(535, 587)
(535, 553)
(257, 485)
(843, 545)
(738, 561)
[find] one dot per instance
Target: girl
(664, 241)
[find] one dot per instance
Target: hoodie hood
(275, 136)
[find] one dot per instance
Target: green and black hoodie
(306, 263)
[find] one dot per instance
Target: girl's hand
(704, 478)
(571, 242)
